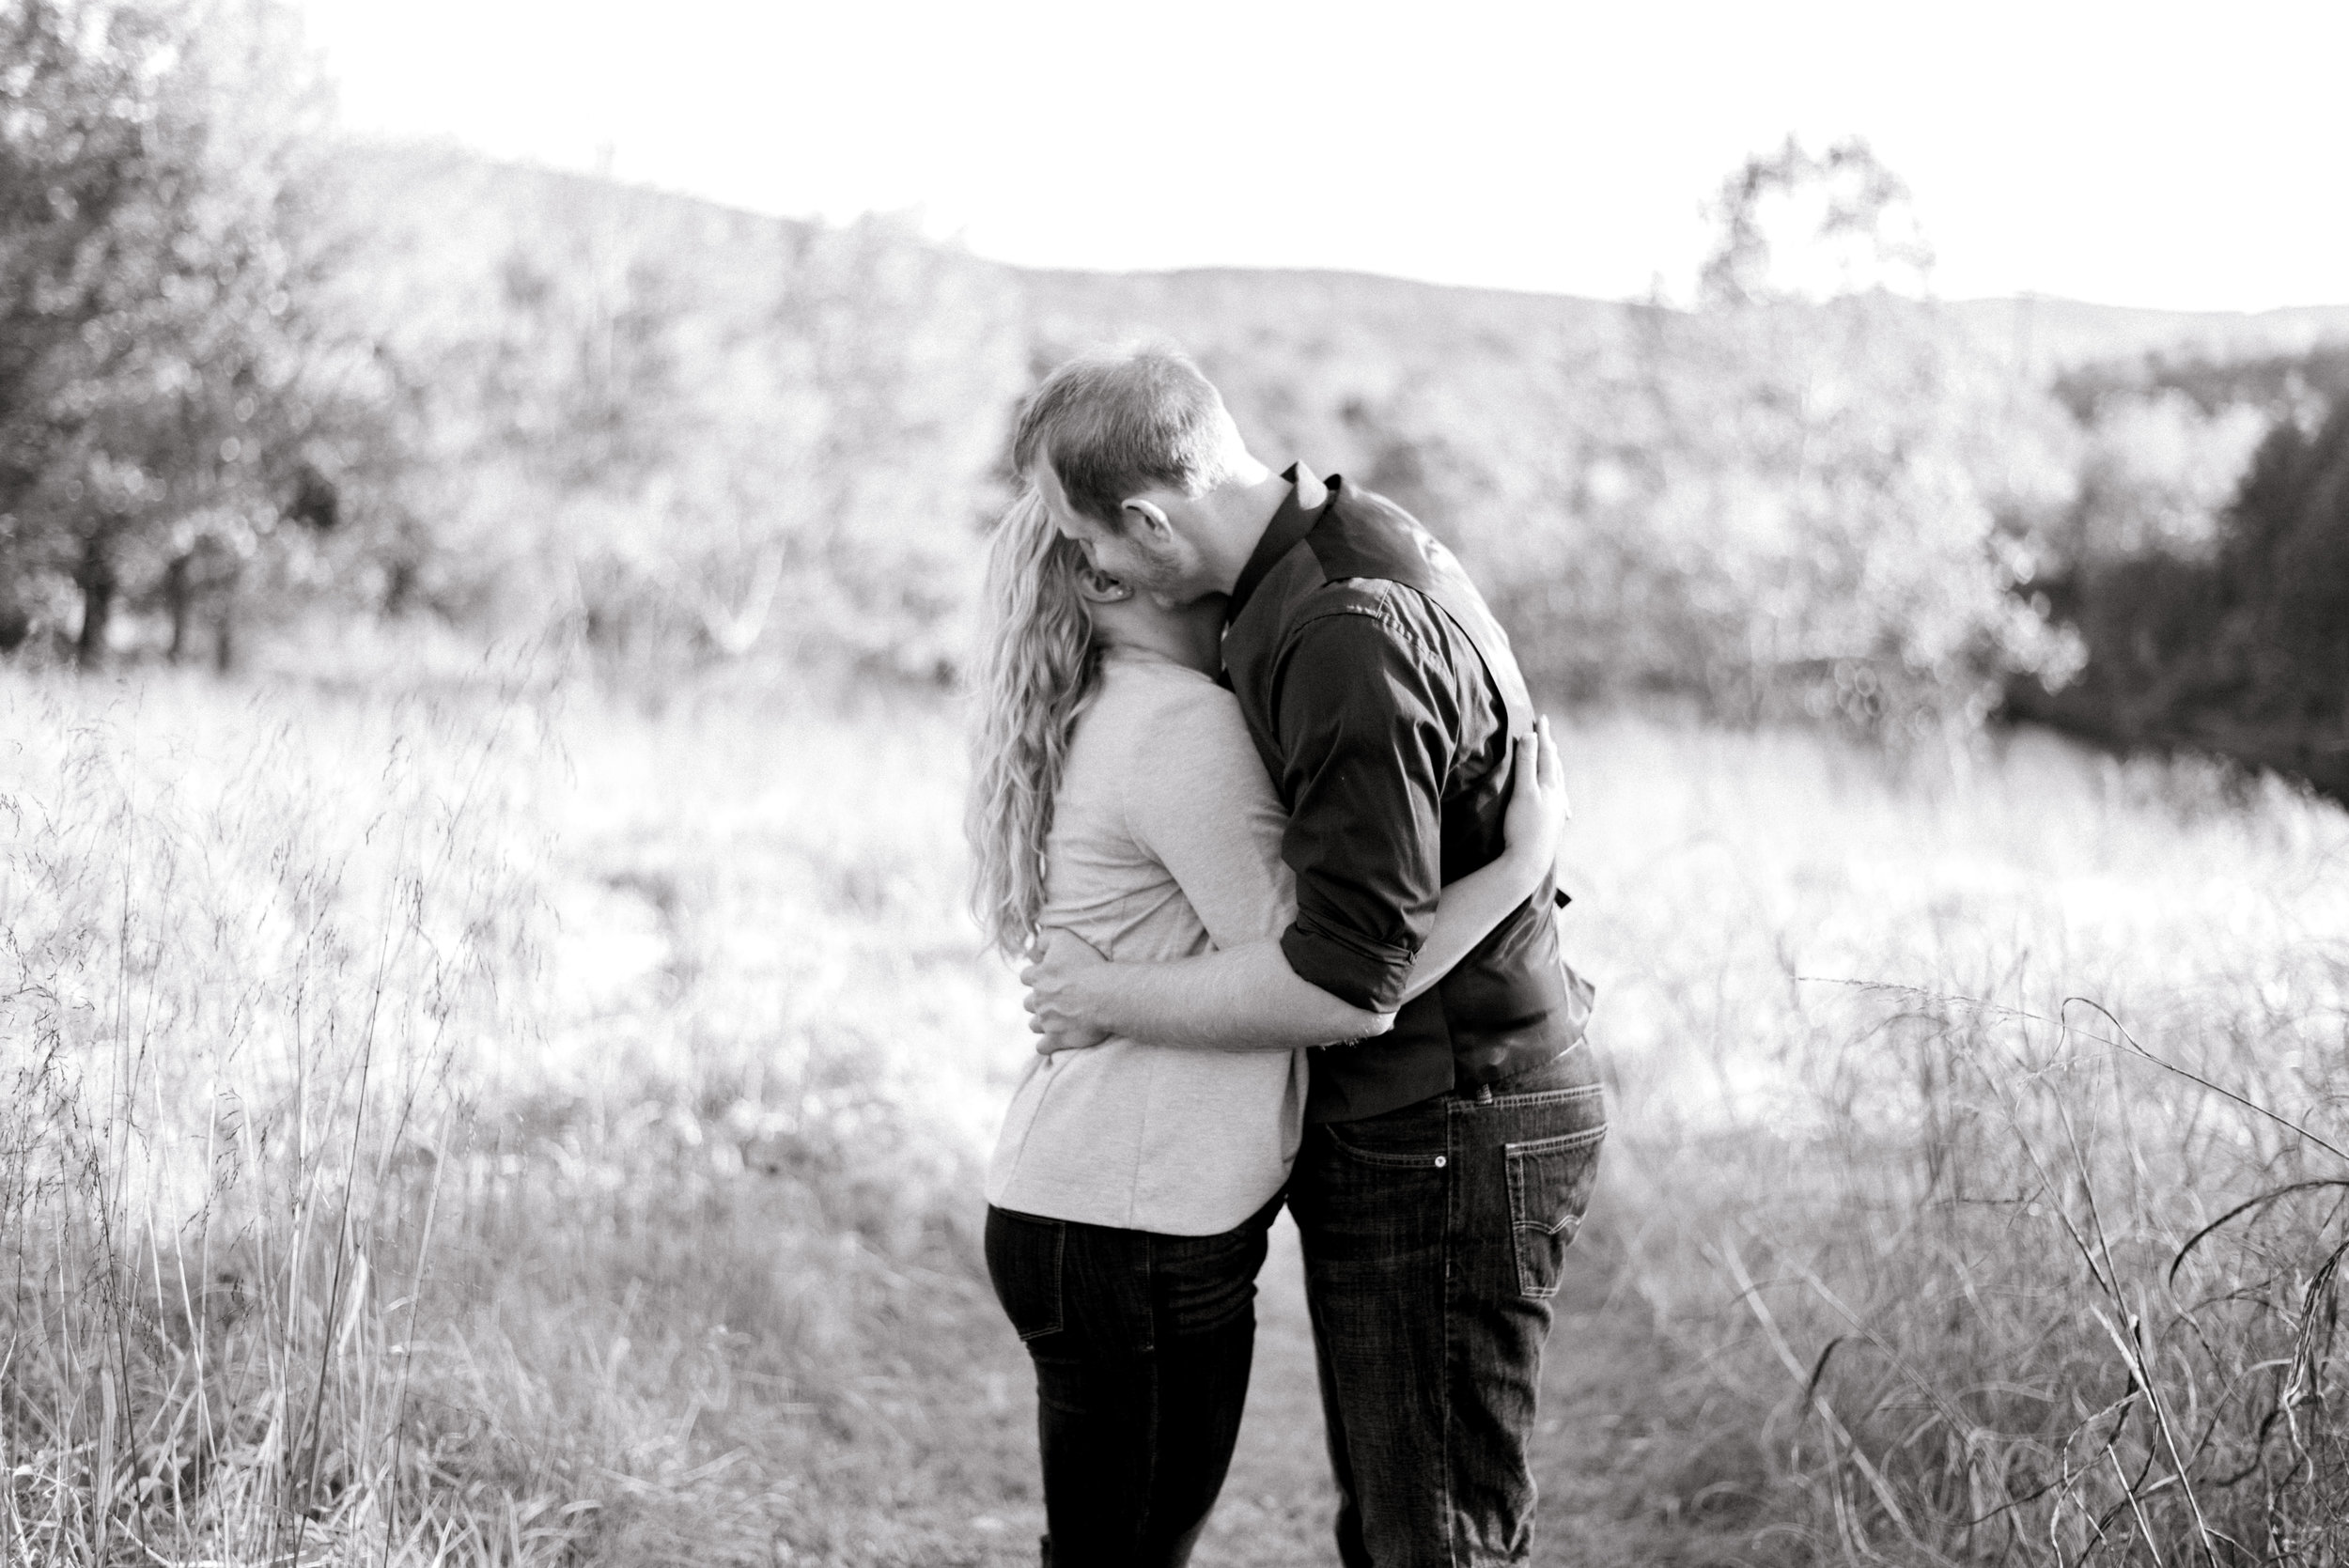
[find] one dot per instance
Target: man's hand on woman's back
(1061, 962)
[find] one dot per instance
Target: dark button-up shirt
(1382, 697)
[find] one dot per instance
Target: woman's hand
(1538, 810)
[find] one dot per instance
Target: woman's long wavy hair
(1036, 669)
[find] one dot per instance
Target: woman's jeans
(1434, 1237)
(1141, 1345)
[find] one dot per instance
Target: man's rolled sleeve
(1369, 978)
(1364, 747)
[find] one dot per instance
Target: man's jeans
(1434, 1237)
(1141, 1345)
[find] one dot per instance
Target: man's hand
(1059, 1007)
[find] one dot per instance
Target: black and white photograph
(1261, 784)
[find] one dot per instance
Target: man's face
(1154, 567)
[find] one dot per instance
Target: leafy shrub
(2242, 646)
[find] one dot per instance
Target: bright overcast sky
(2147, 154)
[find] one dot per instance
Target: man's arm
(1365, 731)
(1075, 992)
(1196, 799)
(1244, 998)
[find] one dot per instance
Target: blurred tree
(2300, 382)
(694, 436)
(155, 356)
(2282, 649)
(1808, 498)
(2154, 473)
(2238, 643)
(1861, 491)
(75, 152)
(1793, 225)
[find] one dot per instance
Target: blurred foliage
(171, 407)
(1778, 505)
(253, 377)
(679, 434)
(1794, 224)
(2236, 641)
(1784, 509)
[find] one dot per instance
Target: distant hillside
(1237, 305)
(427, 228)
(453, 211)
(2047, 335)
(2040, 335)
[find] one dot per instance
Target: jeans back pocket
(1023, 1259)
(1550, 1188)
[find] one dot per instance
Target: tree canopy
(162, 379)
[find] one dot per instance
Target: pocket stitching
(1384, 1161)
(1532, 1097)
(1514, 1158)
(1558, 1143)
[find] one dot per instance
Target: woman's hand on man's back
(1535, 822)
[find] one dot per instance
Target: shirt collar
(1308, 498)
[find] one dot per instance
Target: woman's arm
(1245, 997)
(1471, 907)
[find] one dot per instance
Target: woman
(1117, 796)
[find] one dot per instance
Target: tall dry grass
(458, 1129)
(1984, 1151)
(250, 957)
(490, 1125)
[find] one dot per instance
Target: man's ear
(1142, 513)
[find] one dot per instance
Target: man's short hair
(1115, 424)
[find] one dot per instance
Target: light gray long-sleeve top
(1165, 842)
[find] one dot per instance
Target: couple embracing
(1260, 792)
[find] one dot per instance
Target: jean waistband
(1571, 1068)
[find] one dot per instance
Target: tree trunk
(222, 590)
(176, 596)
(16, 622)
(97, 581)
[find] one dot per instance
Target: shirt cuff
(1359, 975)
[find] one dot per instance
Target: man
(1449, 1153)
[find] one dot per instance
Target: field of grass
(493, 1124)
